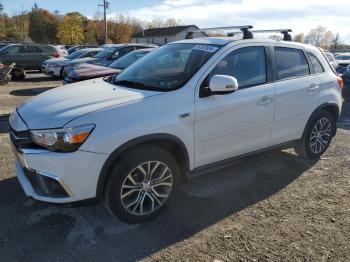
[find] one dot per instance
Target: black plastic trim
(317, 110)
(128, 145)
(202, 170)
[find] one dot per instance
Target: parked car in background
(331, 59)
(107, 56)
(343, 60)
(346, 78)
(62, 50)
(78, 47)
(54, 66)
(26, 56)
(2, 45)
(88, 71)
(187, 108)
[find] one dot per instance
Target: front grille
(43, 185)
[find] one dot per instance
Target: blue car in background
(107, 56)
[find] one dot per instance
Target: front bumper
(52, 71)
(74, 175)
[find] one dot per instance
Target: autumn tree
(2, 22)
(90, 32)
(170, 22)
(120, 30)
(336, 41)
(299, 38)
(316, 35)
(42, 25)
(70, 29)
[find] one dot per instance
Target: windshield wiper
(129, 83)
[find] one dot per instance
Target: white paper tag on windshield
(205, 48)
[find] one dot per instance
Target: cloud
(300, 15)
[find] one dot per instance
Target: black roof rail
(245, 29)
(284, 32)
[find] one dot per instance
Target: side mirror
(222, 84)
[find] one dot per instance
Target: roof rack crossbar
(227, 28)
(284, 32)
(245, 29)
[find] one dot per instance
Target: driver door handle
(265, 101)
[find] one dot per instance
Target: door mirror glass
(222, 84)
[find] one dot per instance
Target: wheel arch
(167, 141)
(330, 107)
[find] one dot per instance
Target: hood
(84, 71)
(56, 60)
(58, 106)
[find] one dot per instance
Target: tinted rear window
(291, 63)
(33, 49)
(316, 63)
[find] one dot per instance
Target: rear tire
(141, 183)
(17, 74)
(317, 137)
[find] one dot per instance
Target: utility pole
(105, 6)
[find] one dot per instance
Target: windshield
(343, 57)
(107, 52)
(167, 68)
(128, 59)
(3, 45)
(75, 54)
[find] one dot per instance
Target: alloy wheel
(146, 188)
(320, 135)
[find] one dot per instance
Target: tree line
(42, 26)
(322, 37)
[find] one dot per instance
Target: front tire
(317, 138)
(141, 183)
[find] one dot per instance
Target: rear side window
(291, 63)
(316, 63)
(16, 49)
(247, 65)
(90, 54)
(33, 49)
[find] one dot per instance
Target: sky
(299, 15)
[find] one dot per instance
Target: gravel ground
(270, 207)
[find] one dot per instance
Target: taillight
(340, 82)
(58, 55)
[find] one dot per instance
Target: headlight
(54, 65)
(63, 140)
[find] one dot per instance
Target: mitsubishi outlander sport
(187, 107)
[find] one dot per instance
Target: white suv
(187, 107)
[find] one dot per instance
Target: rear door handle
(265, 101)
(313, 87)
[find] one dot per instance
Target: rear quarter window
(290, 63)
(315, 63)
(49, 49)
